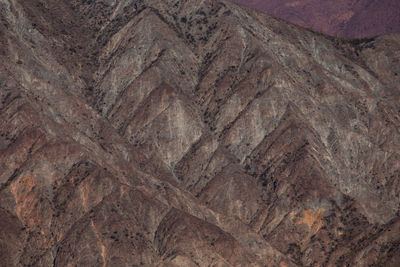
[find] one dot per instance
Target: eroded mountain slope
(193, 133)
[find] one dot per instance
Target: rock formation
(193, 133)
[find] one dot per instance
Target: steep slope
(193, 133)
(346, 18)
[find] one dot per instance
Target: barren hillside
(193, 133)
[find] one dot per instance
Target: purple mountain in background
(347, 18)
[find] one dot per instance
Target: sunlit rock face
(193, 133)
(344, 18)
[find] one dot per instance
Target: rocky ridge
(186, 133)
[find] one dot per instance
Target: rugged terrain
(193, 133)
(345, 18)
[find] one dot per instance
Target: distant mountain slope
(193, 133)
(348, 18)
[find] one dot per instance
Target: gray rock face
(193, 133)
